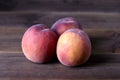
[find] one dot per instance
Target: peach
(73, 47)
(39, 44)
(64, 24)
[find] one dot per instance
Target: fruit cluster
(66, 39)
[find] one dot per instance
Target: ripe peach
(73, 47)
(39, 44)
(64, 24)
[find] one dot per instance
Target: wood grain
(99, 18)
(61, 5)
(10, 39)
(99, 66)
(87, 19)
(103, 40)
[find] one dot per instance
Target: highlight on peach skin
(64, 24)
(39, 44)
(73, 47)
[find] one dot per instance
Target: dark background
(89, 12)
(60, 5)
(99, 18)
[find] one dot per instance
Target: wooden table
(99, 18)
(100, 66)
(103, 63)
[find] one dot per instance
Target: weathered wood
(99, 66)
(10, 39)
(87, 19)
(99, 18)
(102, 27)
(103, 39)
(61, 5)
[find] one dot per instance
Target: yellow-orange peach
(64, 24)
(39, 44)
(73, 47)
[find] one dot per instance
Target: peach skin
(73, 47)
(39, 44)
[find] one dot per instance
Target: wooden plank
(10, 39)
(61, 5)
(87, 19)
(99, 66)
(102, 28)
(103, 40)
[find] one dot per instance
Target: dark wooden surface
(100, 66)
(103, 64)
(61, 5)
(103, 39)
(99, 18)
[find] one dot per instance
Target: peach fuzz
(73, 47)
(64, 24)
(39, 44)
